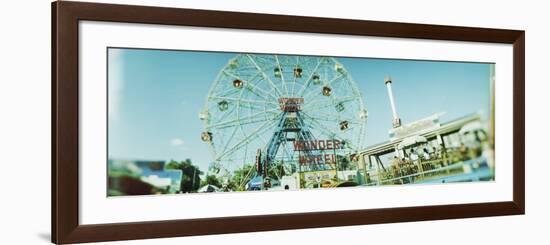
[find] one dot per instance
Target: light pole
(335, 158)
(396, 122)
(194, 173)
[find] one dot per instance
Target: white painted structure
(396, 122)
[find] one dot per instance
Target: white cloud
(176, 142)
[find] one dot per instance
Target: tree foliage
(190, 179)
(212, 180)
(241, 177)
(276, 171)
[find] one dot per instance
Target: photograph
(188, 121)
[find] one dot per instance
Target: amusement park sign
(291, 104)
(320, 146)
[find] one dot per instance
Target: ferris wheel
(255, 98)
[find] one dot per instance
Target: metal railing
(453, 162)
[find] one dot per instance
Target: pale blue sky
(155, 97)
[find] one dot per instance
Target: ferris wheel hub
(291, 104)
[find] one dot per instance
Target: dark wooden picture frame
(65, 121)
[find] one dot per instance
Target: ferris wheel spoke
(254, 118)
(341, 100)
(329, 118)
(237, 76)
(253, 88)
(228, 92)
(331, 121)
(359, 138)
(318, 103)
(288, 153)
(246, 101)
(282, 75)
(265, 76)
(327, 84)
(267, 125)
(320, 115)
(321, 107)
(234, 124)
(251, 107)
(225, 115)
(332, 103)
(343, 87)
(248, 174)
(259, 136)
(230, 139)
(306, 84)
(331, 135)
(295, 80)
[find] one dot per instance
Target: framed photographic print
(176, 122)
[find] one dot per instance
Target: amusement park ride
(297, 117)
(299, 112)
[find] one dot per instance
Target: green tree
(190, 179)
(212, 180)
(277, 171)
(241, 177)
